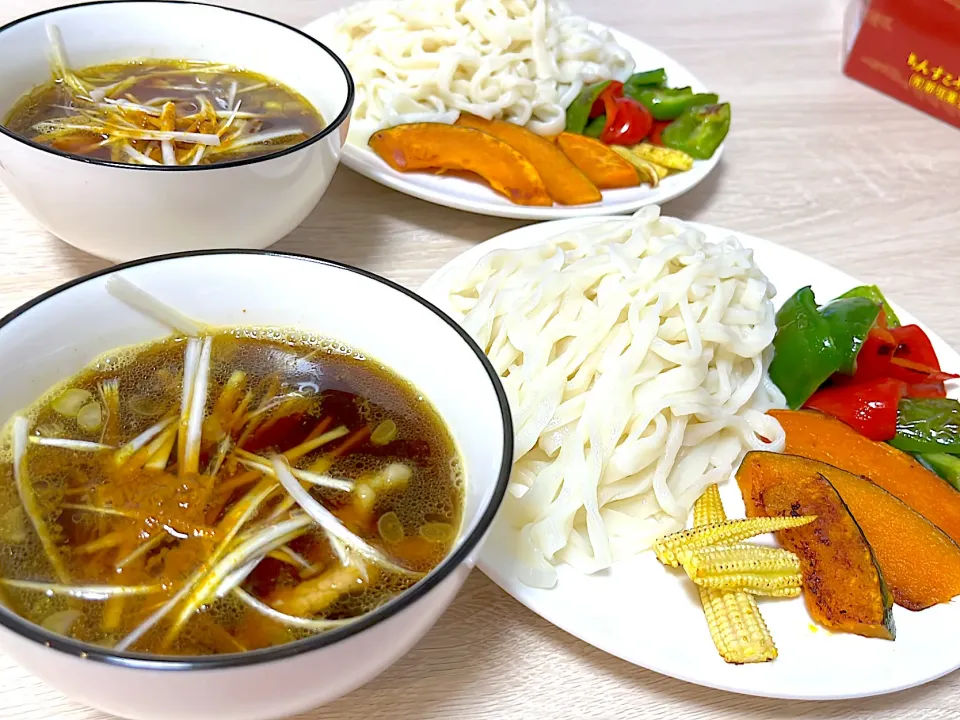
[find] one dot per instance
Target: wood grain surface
(814, 161)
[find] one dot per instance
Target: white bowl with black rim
(122, 212)
(53, 337)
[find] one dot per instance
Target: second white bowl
(123, 212)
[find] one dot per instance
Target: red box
(908, 49)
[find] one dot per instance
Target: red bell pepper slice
(926, 390)
(873, 360)
(869, 407)
(631, 123)
(657, 130)
(914, 345)
(904, 353)
(609, 97)
(613, 90)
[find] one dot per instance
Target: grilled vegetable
(579, 112)
(872, 292)
(869, 407)
(843, 585)
(644, 80)
(631, 123)
(648, 172)
(564, 182)
(669, 103)
(850, 320)
(671, 159)
(754, 569)
(598, 162)
(929, 425)
(595, 127)
(736, 625)
(919, 562)
(944, 465)
(674, 549)
(805, 353)
(821, 437)
(708, 508)
(439, 147)
(699, 130)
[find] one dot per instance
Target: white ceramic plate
(651, 616)
(477, 197)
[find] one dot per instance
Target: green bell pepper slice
(578, 114)
(928, 425)
(670, 103)
(699, 130)
(872, 292)
(850, 320)
(805, 353)
(595, 127)
(644, 80)
(944, 465)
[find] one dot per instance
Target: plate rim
(361, 162)
(539, 232)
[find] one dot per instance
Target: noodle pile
(427, 60)
(634, 354)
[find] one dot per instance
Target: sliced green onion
(330, 523)
(90, 416)
(69, 402)
(384, 433)
(390, 527)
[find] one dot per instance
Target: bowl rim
(328, 129)
(146, 661)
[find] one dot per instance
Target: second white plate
(477, 197)
(647, 615)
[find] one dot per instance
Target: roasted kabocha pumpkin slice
(565, 183)
(603, 166)
(919, 562)
(440, 147)
(843, 585)
(821, 437)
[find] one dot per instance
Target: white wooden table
(814, 161)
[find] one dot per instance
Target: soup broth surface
(81, 521)
(120, 112)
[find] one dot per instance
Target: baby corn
(671, 550)
(667, 157)
(736, 626)
(709, 507)
(753, 569)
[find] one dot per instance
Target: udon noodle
(427, 60)
(634, 354)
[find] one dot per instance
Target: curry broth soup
(163, 112)
(135, 519)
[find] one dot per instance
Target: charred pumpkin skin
(919, 562)
(565, 183)
(440, 147)
(843, 586)
(821, 437)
